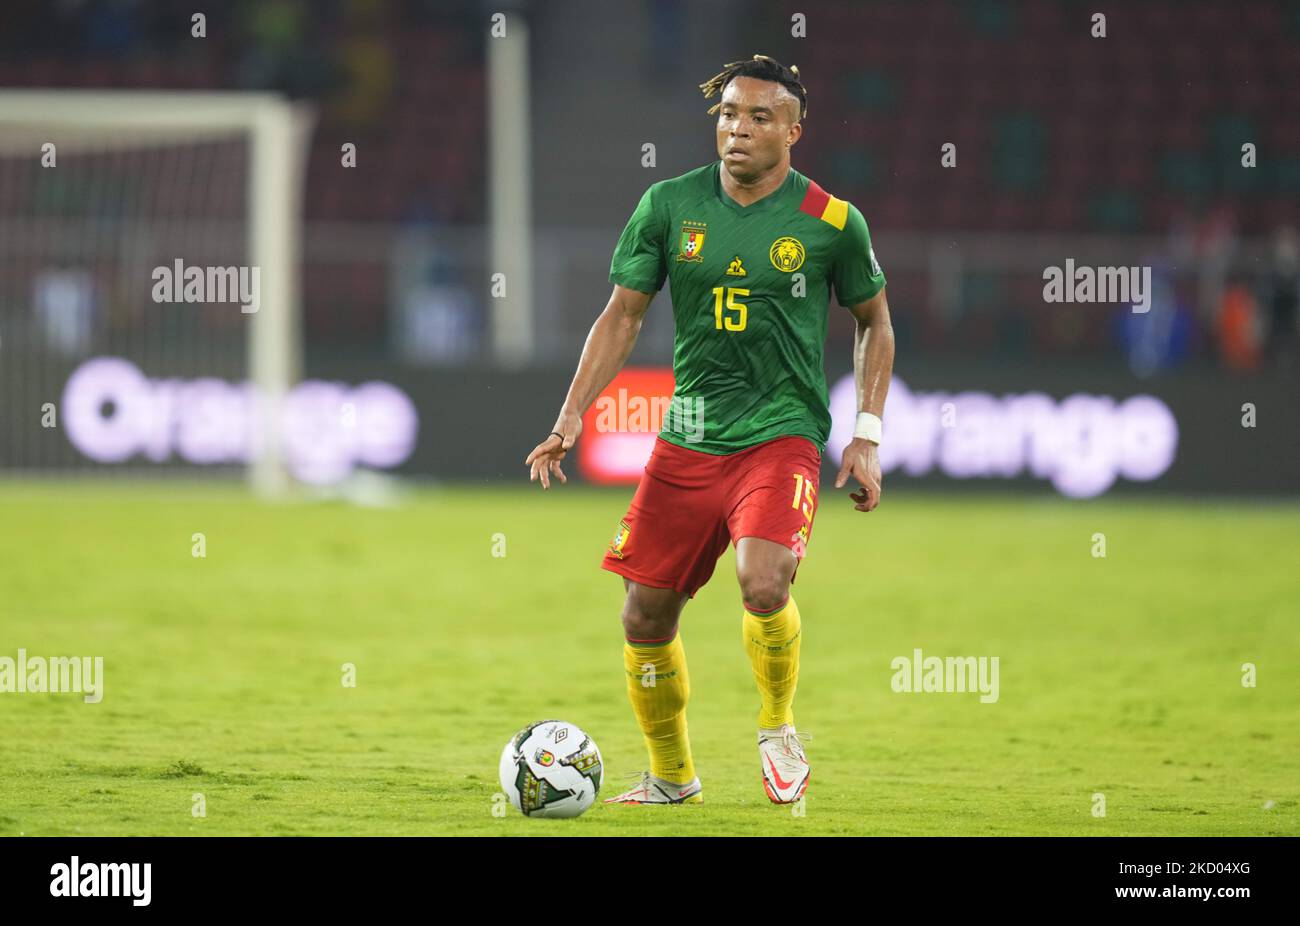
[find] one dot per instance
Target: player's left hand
(862, 462)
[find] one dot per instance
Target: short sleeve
(857, 275)
(638, 261)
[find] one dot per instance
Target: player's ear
(793, 136)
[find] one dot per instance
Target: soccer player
(751, 249)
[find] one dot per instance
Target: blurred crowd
(1056, 131)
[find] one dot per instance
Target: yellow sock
(658, 687)
(772, 642)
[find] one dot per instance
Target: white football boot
(785, 768)
(650, 789)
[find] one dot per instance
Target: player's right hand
(546, 456)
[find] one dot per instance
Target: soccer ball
(551, 769)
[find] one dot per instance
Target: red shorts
(689, 504)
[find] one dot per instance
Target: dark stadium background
(1118, 150)
(224, 619)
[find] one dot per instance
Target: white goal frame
(277, 132)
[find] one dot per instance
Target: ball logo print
(551, 769)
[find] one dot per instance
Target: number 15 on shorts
(804, 487)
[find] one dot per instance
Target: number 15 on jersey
(730, 323)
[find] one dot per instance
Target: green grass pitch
(1119, 675)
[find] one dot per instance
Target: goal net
(149, 300)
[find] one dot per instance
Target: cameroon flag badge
(692, 242)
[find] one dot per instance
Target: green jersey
(750, 290)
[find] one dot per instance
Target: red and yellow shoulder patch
(821, 205)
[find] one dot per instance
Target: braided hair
(763, 68)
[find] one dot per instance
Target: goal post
(113, 126)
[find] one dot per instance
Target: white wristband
(868, 427)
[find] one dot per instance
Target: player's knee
(763, 591)
(644, 627)
(646, 617)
